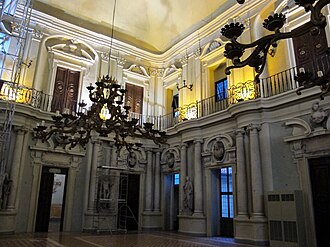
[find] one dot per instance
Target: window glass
(226, 192)
(231, 206)
(221, 89)
(224, 206)
(176, 179)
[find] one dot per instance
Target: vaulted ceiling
(153, 25)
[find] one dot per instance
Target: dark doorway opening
(128, 206)
(51, 202)
(320, 183)
(171, 210)
(133, 201)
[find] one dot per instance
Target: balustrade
(268, 87)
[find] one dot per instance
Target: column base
(151, 220)
(195, 224)
(8, 221)
(251, 230)
(198, 214)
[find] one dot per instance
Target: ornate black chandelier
(106, 116)
(234, 50)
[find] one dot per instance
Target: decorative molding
(300, 127)
(56, 159)
(215, 44)
(71, 47)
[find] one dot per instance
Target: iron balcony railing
(268, 87)
(10, 91)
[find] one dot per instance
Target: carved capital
(239, 132)
(105, 55)
(37, 34)
(184, 146)
(21, 129)
(121, 61)
(198, 52)
(156, 72)
(96, 142)
(254, 128)
(184, 60)
(197, 140)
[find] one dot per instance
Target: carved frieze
(56, 159)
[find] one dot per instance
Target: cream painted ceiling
(153, 25)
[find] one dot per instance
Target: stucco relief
(170, 159)
(132, 160)
(218, 149)
(70, 46)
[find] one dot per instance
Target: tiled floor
(148, 239)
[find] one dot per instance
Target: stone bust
(318, 116)
(170, 160)
(131, 159)
(218, 150)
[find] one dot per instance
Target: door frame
(304, 172)
(60, 63)
(213, 198)
(55, 158)
(169, 200)
(310, 164)
(65, 172)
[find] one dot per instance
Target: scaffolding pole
(14, 26)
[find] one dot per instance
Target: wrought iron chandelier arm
(262, 47)
(317, 18)
(254, 43)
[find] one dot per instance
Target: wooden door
(65, 90)
(310, 52)
(320, 183)
(134, 98)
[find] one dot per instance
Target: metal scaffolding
(14, 24)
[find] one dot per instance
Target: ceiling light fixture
(260, 48)
(107, 115)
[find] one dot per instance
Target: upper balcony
(273, 86)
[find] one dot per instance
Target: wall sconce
(184, 85)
